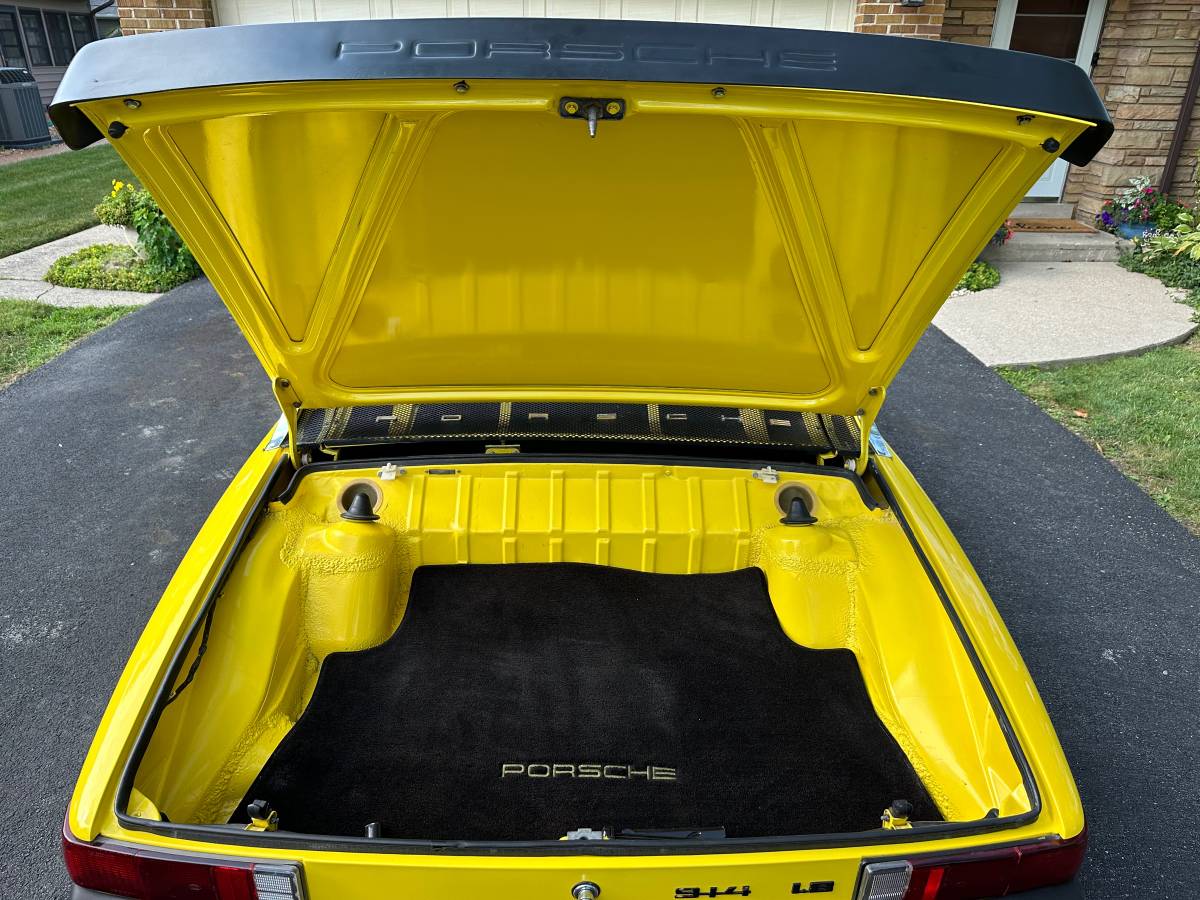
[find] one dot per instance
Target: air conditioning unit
(23, 120)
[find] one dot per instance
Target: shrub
(162, 247)
(1165, 212)
(979, 277)
(161, 243)
(112, 267)
(117, 207)
(1182, 240)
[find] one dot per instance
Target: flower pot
(1130, 231)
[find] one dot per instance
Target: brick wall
(1146, 53)
(892, 18)
(140, 16)
(969, 21)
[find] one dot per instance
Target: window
(35, 38)
(82, 30)
(11, 48)
(60, 37)
(1049, 27)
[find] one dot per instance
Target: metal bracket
(262, 817)
(591, 109)
(896, 816)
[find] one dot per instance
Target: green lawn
(52, 196)
(1142, 412)
(33, 333)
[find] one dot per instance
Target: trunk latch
(591, 110)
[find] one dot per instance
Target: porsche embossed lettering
(617, 772)
(669, 54)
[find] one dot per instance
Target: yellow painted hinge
(867, 412)
(290, 403)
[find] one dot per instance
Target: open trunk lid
(413, 212)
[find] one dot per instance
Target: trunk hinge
(866, 415)
(289, 402)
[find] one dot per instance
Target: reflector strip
(884, 881)
(278, 882)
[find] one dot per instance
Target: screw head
(284, 383)
(116, 129)
(718, 92)
(131, 103)
(461, 86)
(1050, 145)
(613, 108)
(570, 107)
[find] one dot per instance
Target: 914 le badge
(798, 887)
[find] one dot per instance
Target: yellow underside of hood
(405, 242)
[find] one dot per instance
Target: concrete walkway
(1051, 313)
(21, 274)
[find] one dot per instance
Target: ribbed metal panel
(22, 117)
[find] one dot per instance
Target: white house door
(1064, 29)
(824, 15)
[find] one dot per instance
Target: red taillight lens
(145, 875)
(975, 874)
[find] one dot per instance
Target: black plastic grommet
(360, 509)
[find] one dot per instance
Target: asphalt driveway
(115, 452)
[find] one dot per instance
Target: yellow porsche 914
(575, 567)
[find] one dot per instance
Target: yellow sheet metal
(930, 695)
(385, 242)
(310, 584)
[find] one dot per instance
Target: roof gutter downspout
(1187, 104)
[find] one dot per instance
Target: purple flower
(1106, 217)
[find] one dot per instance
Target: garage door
(829, 15)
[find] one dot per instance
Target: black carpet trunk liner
(517, 702)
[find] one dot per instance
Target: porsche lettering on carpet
(587, 770)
